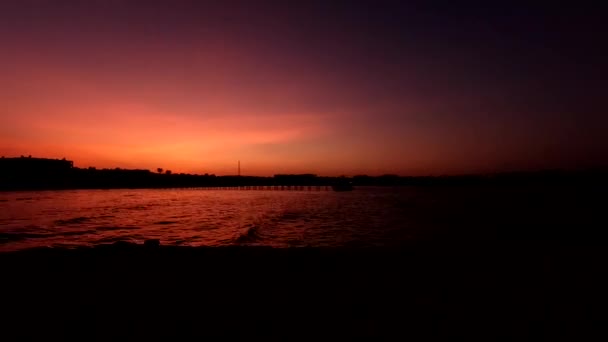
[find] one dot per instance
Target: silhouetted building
(34, 165)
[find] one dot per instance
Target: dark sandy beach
(507, 291)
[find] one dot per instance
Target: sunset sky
(304, 86)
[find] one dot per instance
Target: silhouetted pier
(270, 188)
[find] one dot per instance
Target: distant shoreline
(79, 179)
(27, 173)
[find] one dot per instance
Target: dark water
(204, 217)
(364, 217)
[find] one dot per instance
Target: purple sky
(306, 86)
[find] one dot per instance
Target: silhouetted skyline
(327, 87)
(30, 173)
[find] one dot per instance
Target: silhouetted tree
(159, 170)
(168, 172)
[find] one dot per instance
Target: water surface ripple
(203, 217)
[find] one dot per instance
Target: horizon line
(239, 174)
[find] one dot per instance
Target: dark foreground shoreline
(438, 291)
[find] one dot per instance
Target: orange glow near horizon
(195, 86)
(142, 122)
